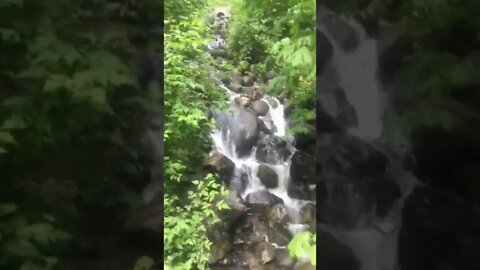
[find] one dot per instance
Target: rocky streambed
(271, 183)
(373, 212)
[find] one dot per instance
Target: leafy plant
(186, 243)
(303, 246)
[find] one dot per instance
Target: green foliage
(25, 244)
(280, 35)
(70, 113)
(186, 243)
(303, 245)
(190, 92)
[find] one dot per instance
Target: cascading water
(224, 144)
(373, 239)
(357, 73)
(230, 129)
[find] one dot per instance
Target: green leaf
(6, 138)
(14, 122)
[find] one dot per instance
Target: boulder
(265, 252)
(244, 131)
(298, 191)
(217, 52)
(266, 126)
(302, 169)
(267, 176)
(272, 149)
(248, 79)
(277, 214)
(254, 92)
(260, 107)
(243, 101)
(220, 164)
(221, 244)
(262, 197)
(308, 215)
(355, 180)
(235, 86)
(334, 112)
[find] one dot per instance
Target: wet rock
(250, 229)
(217, 52)
(343, 33)
(267, 176)
(265, 252)
(272, 149)
(267, 130)
(277, 234)
(272, 102)
(260, 107)
(439, 231)
(302, 169)
(351, 156)
(220, 164)
(244, 131)
(333, 254)
(355, 180)
(298, 191)
(248, 79)
(262, 197)
(305, 141)
(243, 101)
(324, 51)
(308, 214)
(235, 87)
(334, 112)
(277, 214)
(254, 92)
(284, 259)
(221, 244)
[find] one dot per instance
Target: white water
(373, 244)
(357, 72)
(224, 145)
(249, 165)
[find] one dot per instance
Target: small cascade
(253, 136)
(357, 75)
(366, 190)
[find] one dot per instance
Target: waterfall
(373, 239)
(357, 74)
(247, 166)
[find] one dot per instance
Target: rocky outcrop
(267, 176)
(220, 164)
(272, 149)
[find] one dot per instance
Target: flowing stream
(373, 239)
(248, 165)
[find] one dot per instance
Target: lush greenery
(71, 113)
(280, 36)
(190, 92)
(303, 245)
